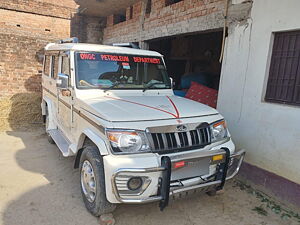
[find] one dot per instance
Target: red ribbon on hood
(151, 107)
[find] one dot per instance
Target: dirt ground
(39, 186)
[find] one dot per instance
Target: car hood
(143, 108)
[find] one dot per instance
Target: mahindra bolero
(133, 140)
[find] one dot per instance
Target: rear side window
(47, 65)
(54, 67)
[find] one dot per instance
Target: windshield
(117, 71)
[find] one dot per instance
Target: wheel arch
(44, 106)
(47, 106)
(87, 138)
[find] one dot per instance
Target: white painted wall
(269, 132)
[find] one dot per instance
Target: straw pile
(22, 110)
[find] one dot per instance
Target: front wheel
(92, 182)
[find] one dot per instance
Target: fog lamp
(134, 183)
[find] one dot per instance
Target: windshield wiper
(151, 85)
(112, 86)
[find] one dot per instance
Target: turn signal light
(177, 165)
(217, 158)
(223, 123)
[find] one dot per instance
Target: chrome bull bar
(225, 171)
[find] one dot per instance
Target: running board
(62, 143)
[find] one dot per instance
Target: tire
(50, 140)
(95, 201)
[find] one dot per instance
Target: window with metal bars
(284, 77)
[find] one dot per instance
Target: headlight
(128, 141)
(218, 131)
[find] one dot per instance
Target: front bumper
(224, 171)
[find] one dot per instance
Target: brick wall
(32, 25)
(20, 80)
(20, 64)
(60, 9)
(26, 26)
(182, 17)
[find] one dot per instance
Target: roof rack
(68, 40)
(127, 44)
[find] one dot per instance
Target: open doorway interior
(192, 58)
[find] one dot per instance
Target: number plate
(192, 168)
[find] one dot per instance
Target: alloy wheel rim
(88, 181)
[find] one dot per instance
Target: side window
(54, 66)
(47, 65)
(65, 65)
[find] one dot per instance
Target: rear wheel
(92, 182)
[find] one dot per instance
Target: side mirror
(62, 81)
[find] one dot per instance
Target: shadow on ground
(46, 186)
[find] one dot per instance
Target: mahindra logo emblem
(181, 128)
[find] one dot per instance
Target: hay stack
(20, 111)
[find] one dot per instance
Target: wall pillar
(144, 45)
(88, 29)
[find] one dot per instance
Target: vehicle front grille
(180, 141)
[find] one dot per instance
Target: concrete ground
(39, 186)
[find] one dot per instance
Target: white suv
(113, 108)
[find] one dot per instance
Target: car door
(65, 97)
(49, 82)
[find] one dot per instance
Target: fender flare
(96, 139)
